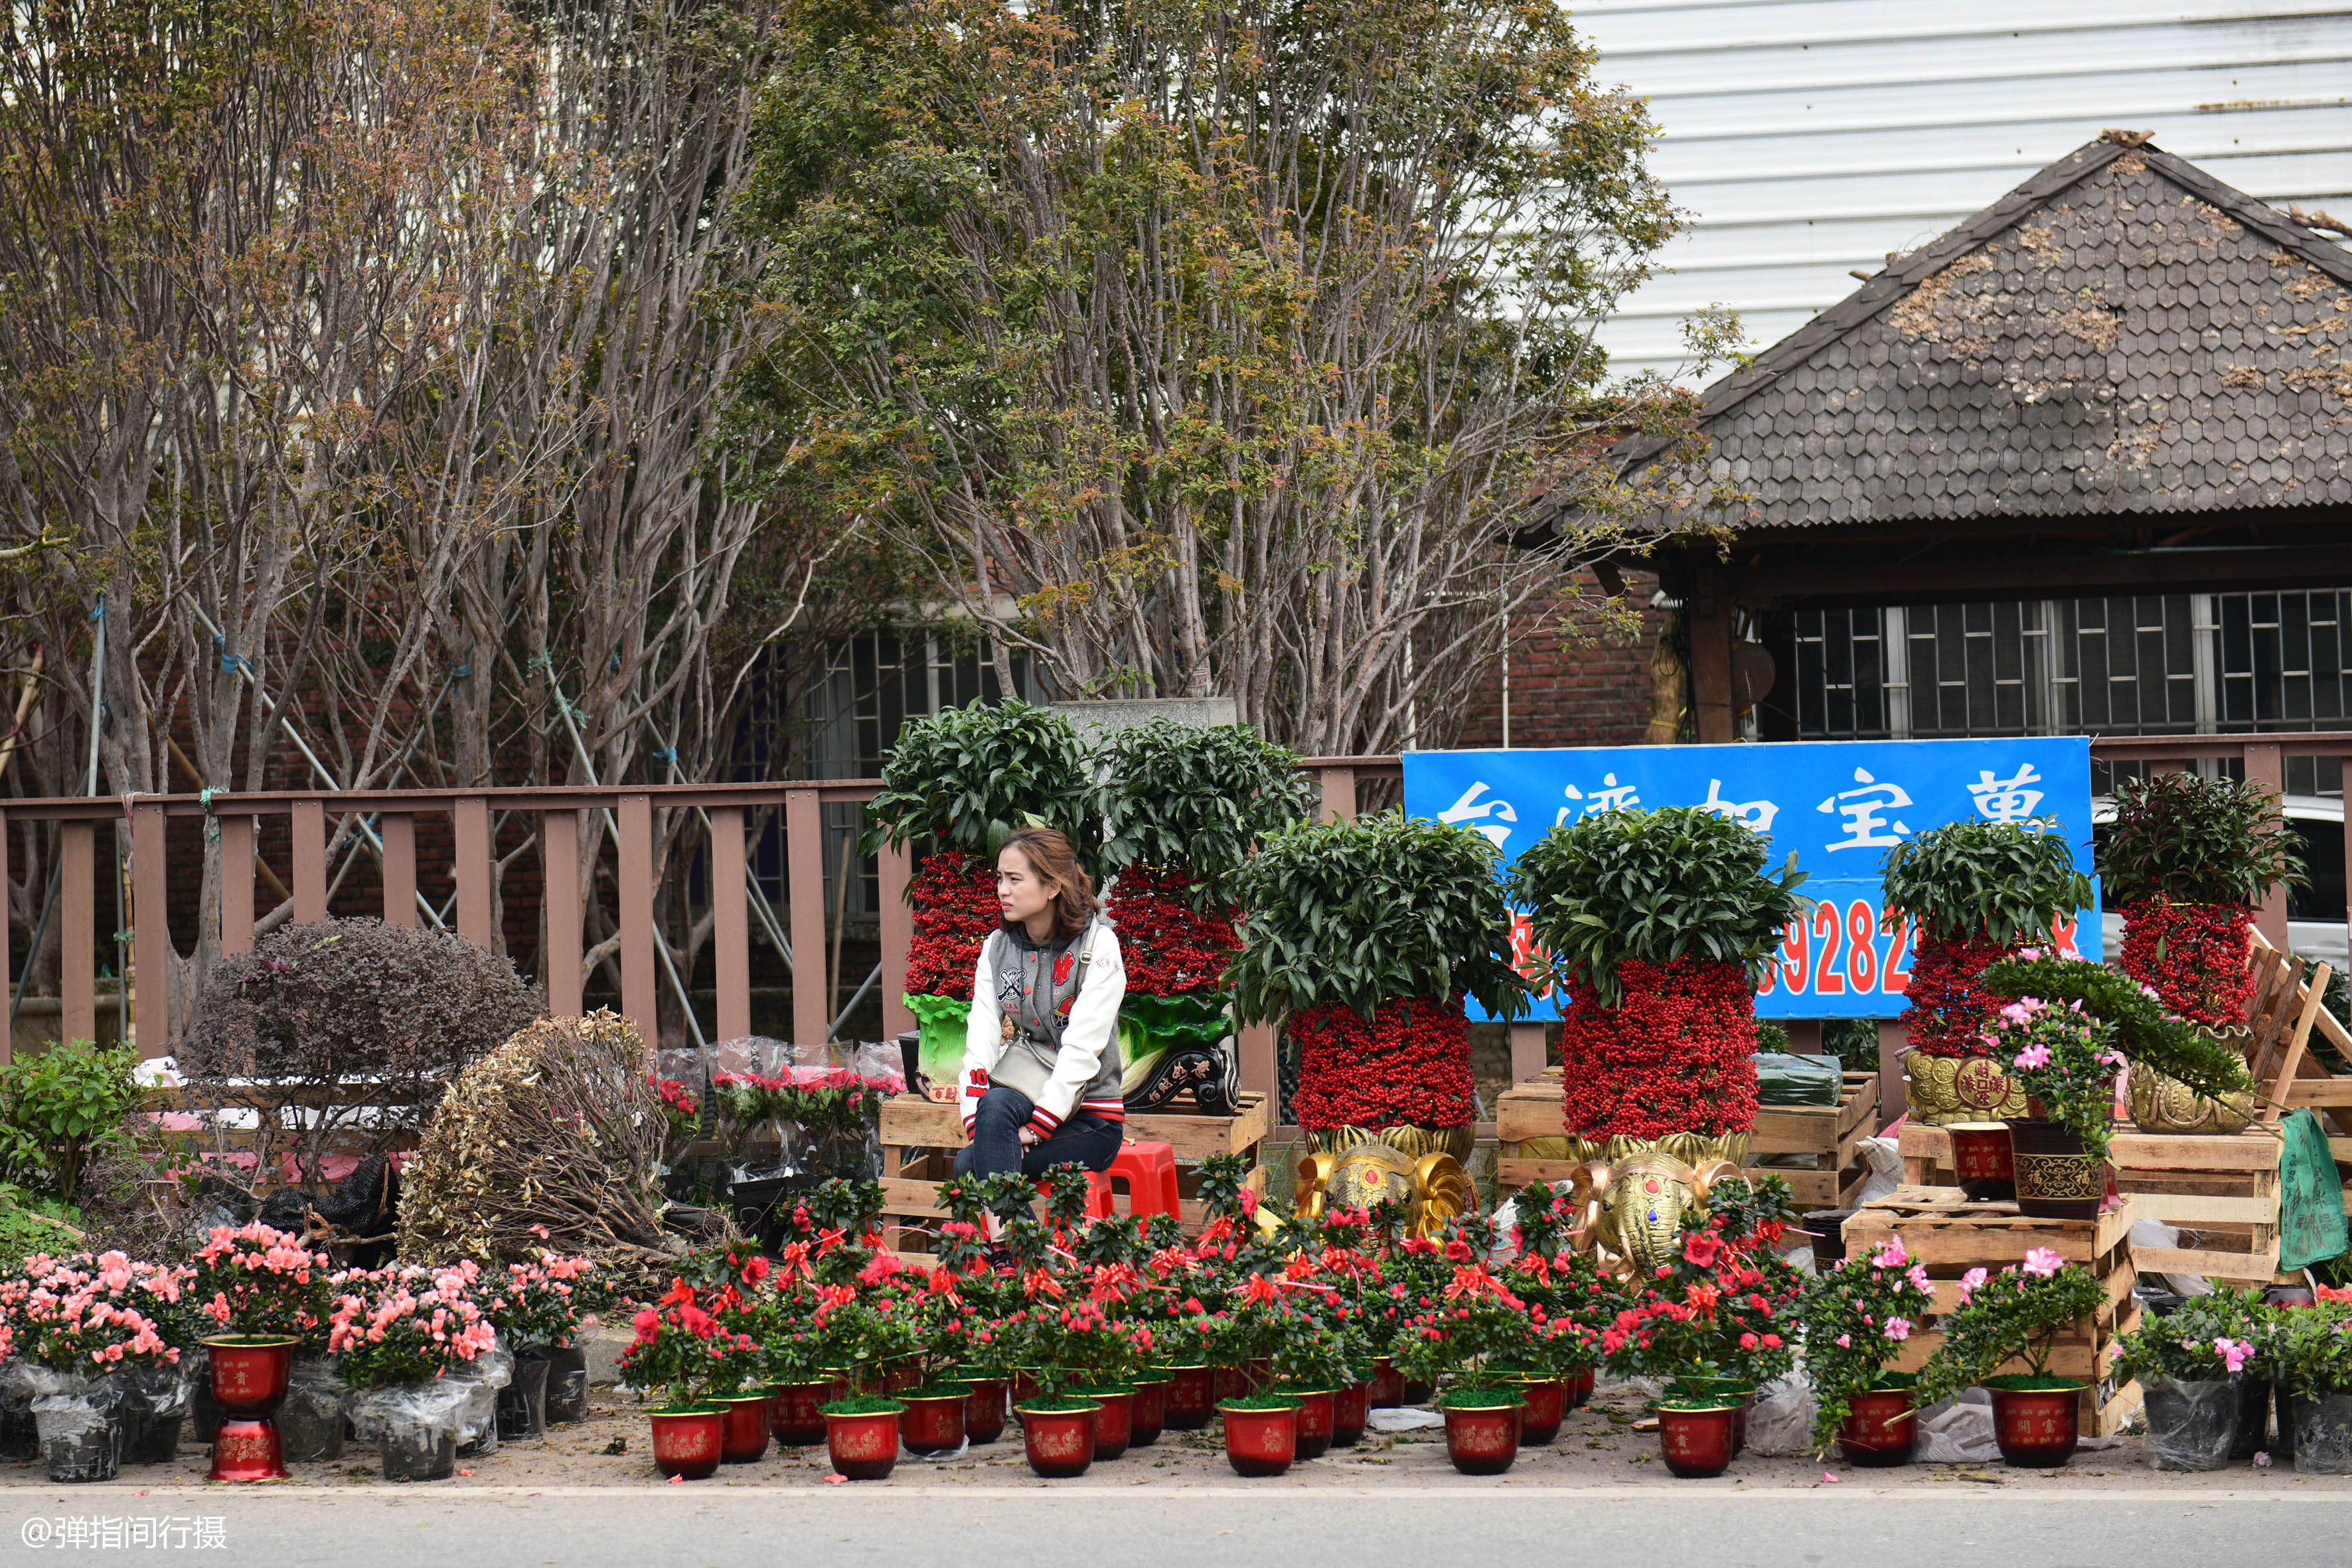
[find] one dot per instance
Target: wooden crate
(920, 1140)
(1941, 1229)
(1830, 1134)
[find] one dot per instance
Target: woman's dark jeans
(995, 1144)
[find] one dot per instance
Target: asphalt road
(1264, 1525)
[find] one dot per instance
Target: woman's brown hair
(1052, 856)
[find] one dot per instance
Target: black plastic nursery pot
(81, 1438)
(523, 1403)
(567, 1385)
(420, 1453)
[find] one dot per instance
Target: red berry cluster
(1170, 948)
(2194, 955)
(1408, 1067)
(1675, 1056)
(954, 896)
(1950, 1010)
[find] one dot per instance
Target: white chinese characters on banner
(1469, 809)
(1756, 814)
(1610, 796)
(1866, 826)
(2006, 800)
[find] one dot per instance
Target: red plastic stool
(1150, 1172)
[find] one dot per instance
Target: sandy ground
(1597, 1448)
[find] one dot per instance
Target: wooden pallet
(1941, 1229)
(920, 1140)
(1830, 1135)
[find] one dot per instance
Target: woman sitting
(1041, 1063)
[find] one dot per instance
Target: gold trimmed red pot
(1260, 1442)
(1351, 1411)
(1579, 1387)
(688, 1440)
(1114, 1420)
(864, 1444)
(1981, 1162)
(2034, 1419)
(984, 1407)
(1060, 1444)
(1880, 1425)
(933, 1423)
(1483, 1439)
(1387, 1384)
(1191, 1398)
(743, 1439)
(1316, 1417)
(1698, 1443)
(796, 1410)
(250, 1374)
(1546, 1409)
(1147, 1416)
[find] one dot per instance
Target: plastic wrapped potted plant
(1856, 1318)
(2190, 1363)
(1655, 923)
(1186, 807)
(1973, 892)
(2186, 860)
(2017, 1315)
(401, 1332)
(79, 1329)
(1363, 937)
(2310, 1355)
(265, 1294)
(536, 1309)
(964, 778)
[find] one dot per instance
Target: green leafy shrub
(973, 774)
(58, 1107)
(1654, 887)
(1360, 912)
(32, 1223)
(1199, 798)
(1972, 879)
(2196, 840)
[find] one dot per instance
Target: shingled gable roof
(2122, 333)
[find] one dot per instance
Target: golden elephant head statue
(1633, 1213)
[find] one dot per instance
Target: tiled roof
(2122, 333)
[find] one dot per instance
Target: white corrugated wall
(1809, 137)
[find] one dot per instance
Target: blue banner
(1839, 805)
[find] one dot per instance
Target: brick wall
(1572, 683)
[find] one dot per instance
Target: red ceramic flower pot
(1147, 1415)
(1113, 1421)
(795, 1413)
(2034, 1426)
(865, 1447)
(1260, 1442)
(1546, 1409)
(689, 1443)
(743, 1440)
(1191, 1398)
(1696, 1444)
(1580, 1388)
(1060, 1443)
(1236, 1383)
(1482, 1441)
(1387, 1386)
(1880, 1427)
(1350, 1409)
(933, 1426)
(1982, 1162)
(1025, 1389)
(249, 1378)
(1316, 1416)
(984, 1409)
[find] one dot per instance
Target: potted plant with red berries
(1973, 892)
(1186, 808)
(1655, 924)
(2018, 1315)
(960, 781)
(1363, 936)
(1857, 1318)
(2186, 860)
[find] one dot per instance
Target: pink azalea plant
(2066, 1059)
(1857, 1317)
(407, 1325)
(260, 1282)
(91, 1314)
(539, 1303)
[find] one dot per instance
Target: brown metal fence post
(151, 962)
(898, 931)
(558, 841)
(77, 932)
(309, 825)
(398, 831)
(805, 885)
(636, 893)
(469, 822)
(730, 933)
(236, 885)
